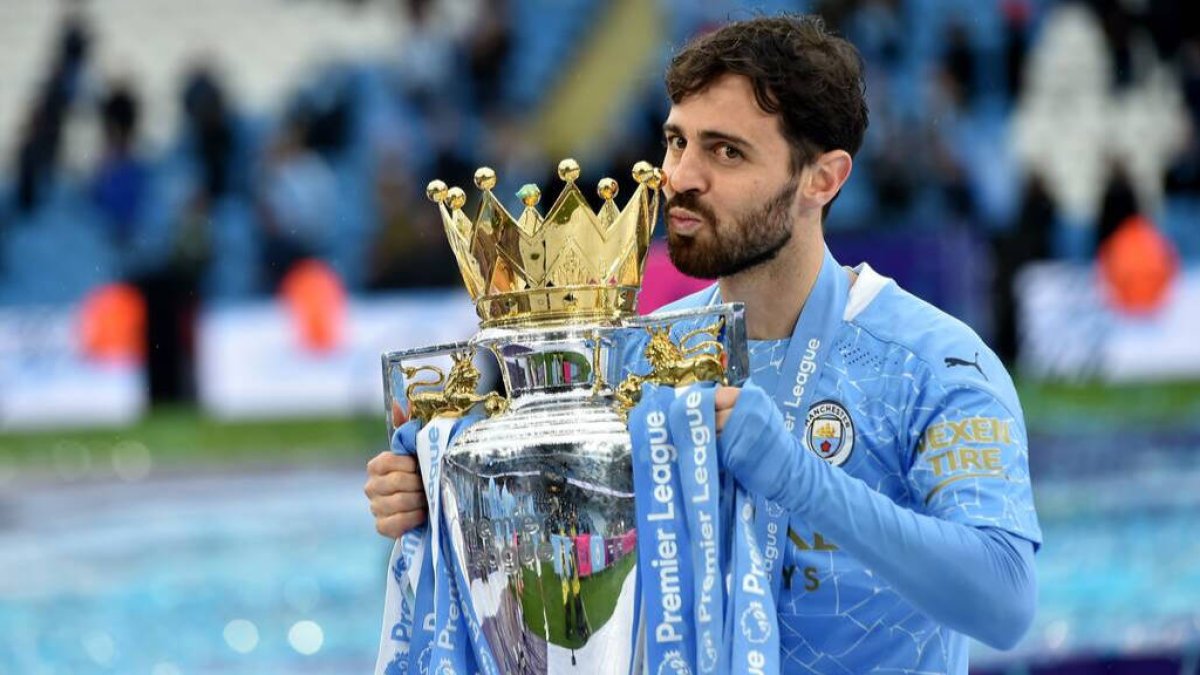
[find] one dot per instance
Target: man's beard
(724, 249)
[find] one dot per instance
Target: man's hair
(808, 76)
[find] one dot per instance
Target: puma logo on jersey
(952, 361)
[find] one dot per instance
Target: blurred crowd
(1037, 126)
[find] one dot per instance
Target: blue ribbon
(399, 608)
(684, 554)
(664, 561)
(452, 654)
(796, 390)
(692, 422)
(405, 568)
(770, 528)
(435, 629)
(424, 617)
(754, 624)
(442, 649)
(812, 338)
(484, 660)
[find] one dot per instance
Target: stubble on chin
(720, 250)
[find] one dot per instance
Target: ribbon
(399, 605)
(403, 638)
(754, 626)
(685, 507)
(812, 337)
(424, 616)
(433, 628)
(692, 426)
(664, 561)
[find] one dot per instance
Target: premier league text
(666, 559)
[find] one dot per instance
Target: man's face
(730, 189)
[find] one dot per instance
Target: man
(887, 430)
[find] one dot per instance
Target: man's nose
(684, 172)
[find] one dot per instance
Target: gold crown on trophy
(574, 264)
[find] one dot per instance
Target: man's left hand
(753, 442)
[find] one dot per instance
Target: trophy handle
(677, 362)
(450, 393)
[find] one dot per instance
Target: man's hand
(753, 442)
(725, 399)
(396, 493)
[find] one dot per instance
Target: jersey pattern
(911, 402)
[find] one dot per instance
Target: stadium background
(212, 221)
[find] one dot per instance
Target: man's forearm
(978, 581)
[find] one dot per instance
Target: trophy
(537, 495)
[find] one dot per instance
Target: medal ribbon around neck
(796, 390)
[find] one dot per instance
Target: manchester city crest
(829, 432)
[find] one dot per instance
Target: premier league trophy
(537, 496)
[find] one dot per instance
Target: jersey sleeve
(970, 464)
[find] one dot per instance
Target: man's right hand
(396, 493)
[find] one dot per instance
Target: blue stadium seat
(57, 253)
(1179, 221)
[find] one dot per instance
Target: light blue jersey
(910, 401)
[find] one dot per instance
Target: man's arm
(980, 581)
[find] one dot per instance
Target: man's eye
(674, 142)
(728, 152)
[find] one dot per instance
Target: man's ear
(826, 175)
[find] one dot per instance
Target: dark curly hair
(808, 76)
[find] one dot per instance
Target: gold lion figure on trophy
(674, 364)
(457, 394)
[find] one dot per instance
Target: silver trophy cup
(537, 494)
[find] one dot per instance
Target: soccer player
(888, 433)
